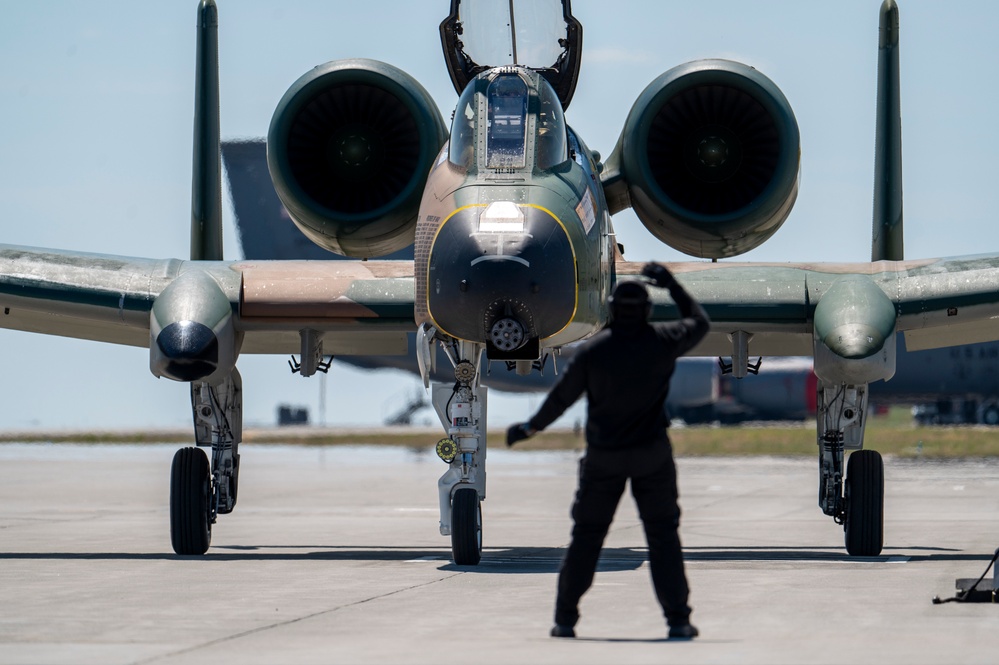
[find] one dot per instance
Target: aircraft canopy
(508, 118)
(538, 34)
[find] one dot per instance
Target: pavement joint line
(281, 624)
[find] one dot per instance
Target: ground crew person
(624, 370)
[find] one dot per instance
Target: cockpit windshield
(508, 119)
(506, 99)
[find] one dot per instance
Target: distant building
(292, 415)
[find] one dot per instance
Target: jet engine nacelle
(349, 149)
(708, 158)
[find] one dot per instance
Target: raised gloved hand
(659, 275)
(519, 432)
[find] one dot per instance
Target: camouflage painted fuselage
(529, 242)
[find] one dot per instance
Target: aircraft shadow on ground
(497, 560)
(826, 554)
(512, 560)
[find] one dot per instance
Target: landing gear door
(539, 34)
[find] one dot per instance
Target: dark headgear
(629, 302)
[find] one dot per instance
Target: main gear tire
(865, 503)
(190, 497)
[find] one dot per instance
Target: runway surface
(333, 556)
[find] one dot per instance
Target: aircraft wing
(367, 307)
(938, 302)
(361, 307)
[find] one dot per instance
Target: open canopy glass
(539, 34)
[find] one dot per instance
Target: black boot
(558, 630)
(683, 631)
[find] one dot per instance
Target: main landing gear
(856, 502)
(462, 410)
(199, 491)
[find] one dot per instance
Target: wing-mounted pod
(349, 149)
(708, 158)
(192, 336)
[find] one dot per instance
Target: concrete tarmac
(333, 556)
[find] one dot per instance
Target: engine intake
(708, 158)
(349, 149)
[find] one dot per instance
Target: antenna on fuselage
(886, 240)
(206, 185)
(513, 34)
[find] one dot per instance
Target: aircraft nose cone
(501, 280)
(189, 351)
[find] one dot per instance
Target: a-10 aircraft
(510, 215)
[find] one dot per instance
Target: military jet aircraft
(510, 215)
(953, 385)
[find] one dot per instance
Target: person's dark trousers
(602, 477)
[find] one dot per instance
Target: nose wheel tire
(190, 496)
(466, 527)
(865, 500)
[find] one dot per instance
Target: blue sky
(95, 149)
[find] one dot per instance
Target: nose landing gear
(462, 410)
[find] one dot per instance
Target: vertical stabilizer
(206, 193)
(886, 242)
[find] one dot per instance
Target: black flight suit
(625, 371)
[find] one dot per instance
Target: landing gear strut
(855, 500)
(462, 411)
(199, 491)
